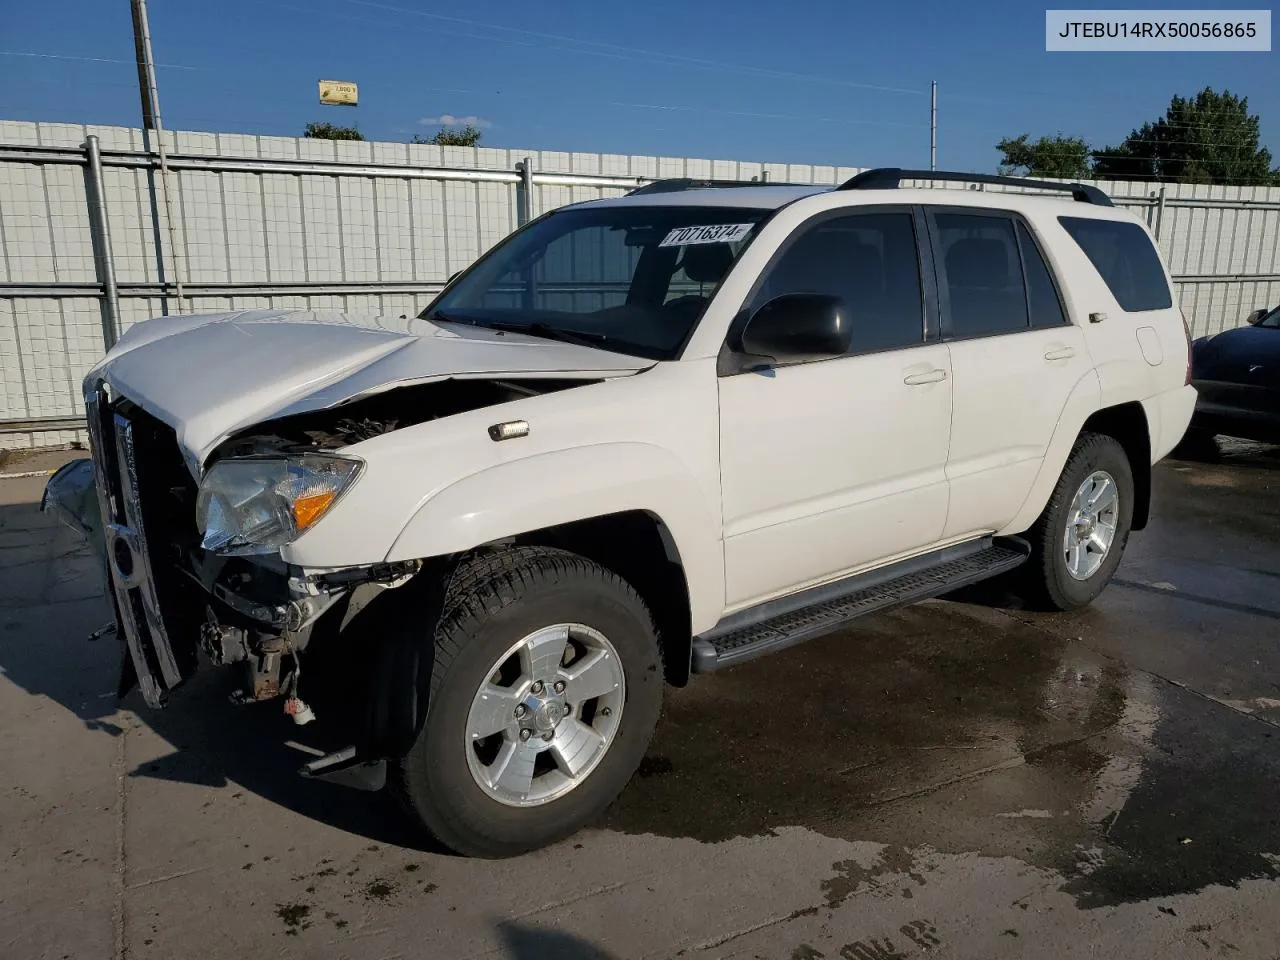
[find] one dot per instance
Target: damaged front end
(196, 569)
(174, 597)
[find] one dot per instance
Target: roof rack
(676, 184)
(889, 178)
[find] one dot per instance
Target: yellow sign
(339, 93)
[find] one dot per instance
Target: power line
(673, 57)
(764, 116)
(67, 56)
(608, 51)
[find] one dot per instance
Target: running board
(790, 620)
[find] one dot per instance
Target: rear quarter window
(1125, 258)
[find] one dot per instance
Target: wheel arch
(1126, 423)
(638, 546)
(576, 491)
(634, 544)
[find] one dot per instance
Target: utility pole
(933, 125)
(152, 123)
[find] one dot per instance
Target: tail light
(1186, 329)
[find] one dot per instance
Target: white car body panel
(765, 483)
(636, 443)
(1008, 397)
(797, 478)
(209, 375)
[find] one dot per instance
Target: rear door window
(982, 274)
(1125, 258)
(1042, 294)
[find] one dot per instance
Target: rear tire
(497, 608)
(1057, 577)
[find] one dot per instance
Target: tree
(1211, 138)
(468, 136)
(1047, 157)
(329, 131)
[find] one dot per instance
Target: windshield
(1272, 319)
(629, 279)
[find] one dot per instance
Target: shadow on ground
(51, 599)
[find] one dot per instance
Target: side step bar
(782, 623)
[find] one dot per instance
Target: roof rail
(889, 178)
(676, 184)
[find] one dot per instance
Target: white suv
(640, 438)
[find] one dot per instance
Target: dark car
(1237, 376)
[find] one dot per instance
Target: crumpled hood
(210, 375)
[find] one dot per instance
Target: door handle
(1060, 353)
(931, 376)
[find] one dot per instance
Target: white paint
(210, 375)
(1009, 397)
(819, 478)
(1149, 343)
(766, 482)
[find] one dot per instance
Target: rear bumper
(1168, 416)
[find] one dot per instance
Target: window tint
(1046, 308)
(701, 267)
(869, 261)
(1124, 256)
(983, 275)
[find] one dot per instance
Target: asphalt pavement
(959, 778)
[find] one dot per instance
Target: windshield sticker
(715, 233)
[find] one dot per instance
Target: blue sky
(826, 81)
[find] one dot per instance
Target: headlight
(257, 506)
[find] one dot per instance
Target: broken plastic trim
(375, 573)
(348, 768)
(71, 495)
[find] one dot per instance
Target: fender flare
(1082, 403)
(577, 483)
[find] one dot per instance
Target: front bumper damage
(175, 603)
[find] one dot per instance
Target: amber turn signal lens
(308, 509)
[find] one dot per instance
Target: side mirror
(798, 327)
(452, 276)
(1256, 315)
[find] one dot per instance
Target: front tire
(1079, 539)
(544, 693)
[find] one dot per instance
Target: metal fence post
(525, 213)
(1159, 213)
(100, 231)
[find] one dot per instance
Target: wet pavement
(962, 778)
